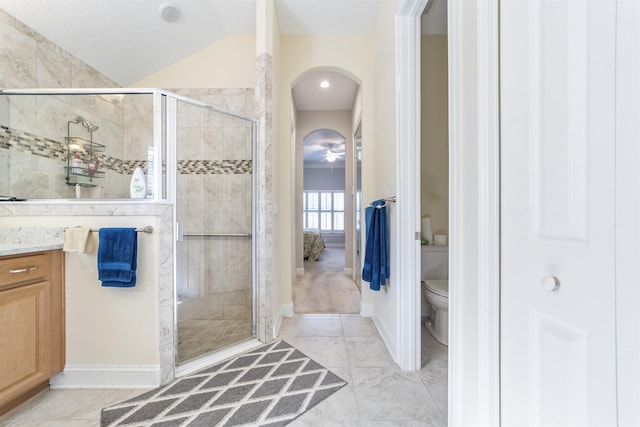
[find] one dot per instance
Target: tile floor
(378, 393)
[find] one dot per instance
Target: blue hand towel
(376, 256)
(118, 257)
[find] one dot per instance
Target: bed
(313, 245)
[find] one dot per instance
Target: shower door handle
(179, 231)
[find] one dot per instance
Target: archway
(325, 100)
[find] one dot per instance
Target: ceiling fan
(331, 155)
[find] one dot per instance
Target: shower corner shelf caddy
(86, 148)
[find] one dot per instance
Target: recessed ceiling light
(324, 84)
(169, 12)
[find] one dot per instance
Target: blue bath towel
(118, 257)
(376, 255)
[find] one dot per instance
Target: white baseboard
(348, 271)
(300, 271)
(286, 310)
(106, 376)
(388, 339)
(366, 310)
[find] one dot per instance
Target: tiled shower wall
(32, 149)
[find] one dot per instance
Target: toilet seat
(438, 287)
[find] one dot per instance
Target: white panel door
(557, 84)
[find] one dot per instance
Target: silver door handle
(550, 283)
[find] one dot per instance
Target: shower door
(214, 187)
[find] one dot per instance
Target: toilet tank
(434, 262)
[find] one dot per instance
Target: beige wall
(379, 162)
(228, 63)
(434, 185)
(341, 122)
(107, 326)
(301, 54)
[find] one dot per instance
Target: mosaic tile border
(25, 142)
(28, 143)
(214, 167)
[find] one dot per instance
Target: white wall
(228, 63)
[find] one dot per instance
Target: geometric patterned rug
(269, 386)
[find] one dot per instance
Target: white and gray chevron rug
(269, 386)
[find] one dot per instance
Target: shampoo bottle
(138, 186)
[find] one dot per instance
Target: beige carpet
(324, 288)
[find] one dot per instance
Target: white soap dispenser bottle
(138, 186)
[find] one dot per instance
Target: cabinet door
(24, 338)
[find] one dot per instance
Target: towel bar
(217, 235)
(386, 199)
(148, 229)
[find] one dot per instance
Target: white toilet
(435, 286)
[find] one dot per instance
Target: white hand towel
(76, 238)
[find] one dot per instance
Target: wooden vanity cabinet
(32, 324)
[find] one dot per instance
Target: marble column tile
(166, 292)
(167, 360)
(166, 325)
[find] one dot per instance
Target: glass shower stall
(197, 156)
(214, 222)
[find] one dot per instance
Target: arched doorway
(326, 111)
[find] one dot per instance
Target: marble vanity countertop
(23, 240)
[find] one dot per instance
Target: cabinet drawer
(24, 269)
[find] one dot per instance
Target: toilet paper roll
(427, 232)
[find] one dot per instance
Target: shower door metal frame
(171, 117)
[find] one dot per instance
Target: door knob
(550, 283)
